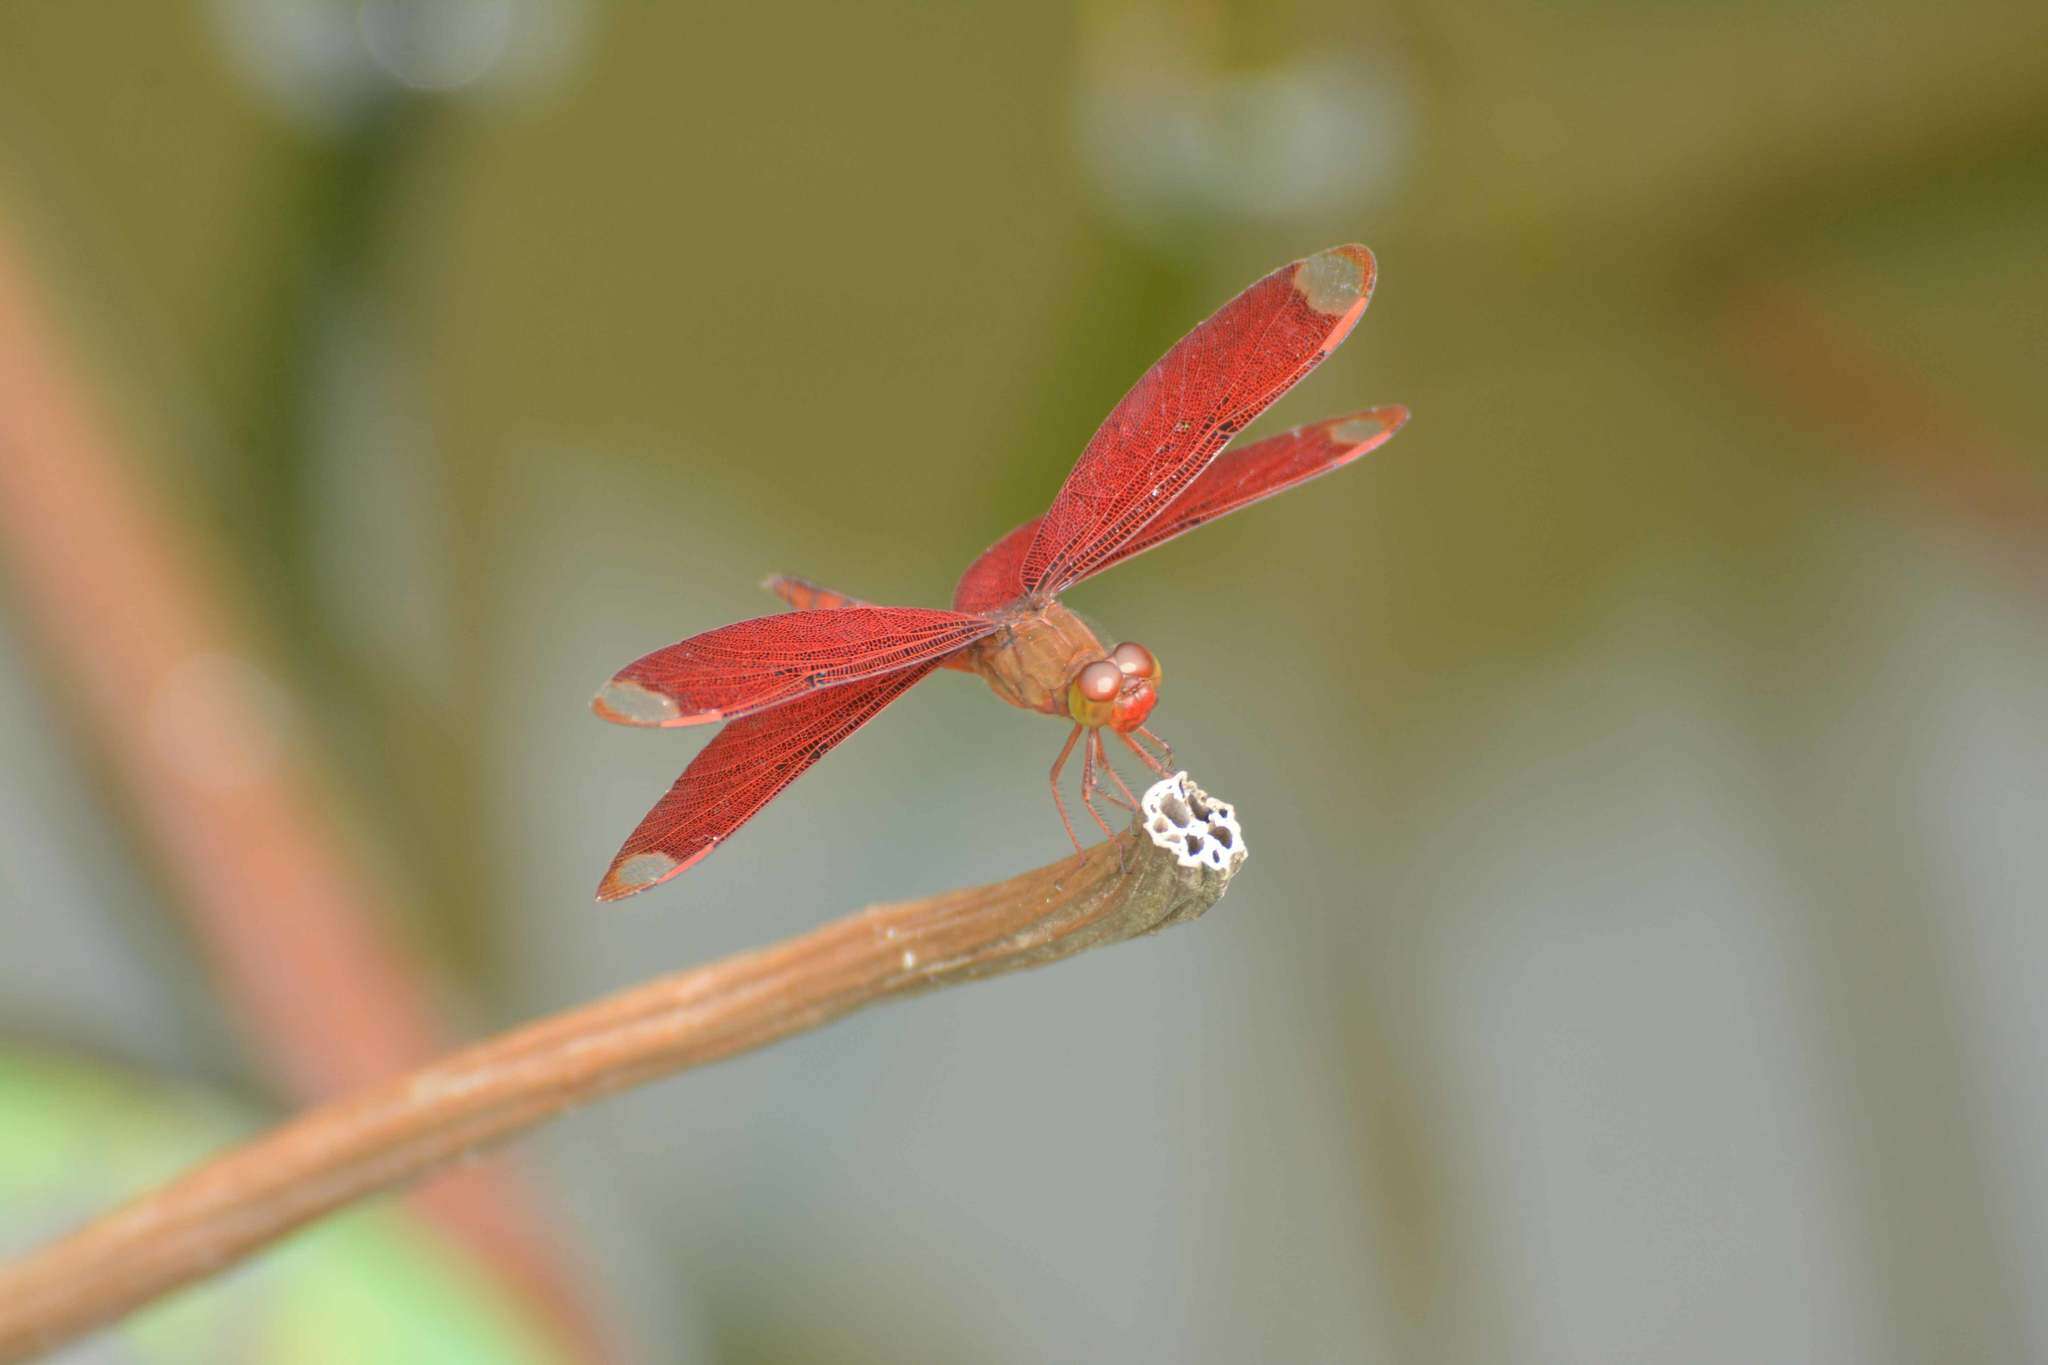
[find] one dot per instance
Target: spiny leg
(1088, 781)
(1164, 747)
(1059, 802)
(1163, 769)
(1127, 801)
(1090, 752)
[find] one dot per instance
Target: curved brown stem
(1170, 866)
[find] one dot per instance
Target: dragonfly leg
(1089, 786)
(1088, 782)
(1154, 764)
(1058, 802)
(1127, 801)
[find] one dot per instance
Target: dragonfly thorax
(1039, 657)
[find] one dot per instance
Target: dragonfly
(791, 686)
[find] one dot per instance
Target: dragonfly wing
(1185, 408)
(804, 595)
(772, 660)
(996, 579)
(1239, 478)
(1236, 478)
(742, 769)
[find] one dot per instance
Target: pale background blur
(1644, 757)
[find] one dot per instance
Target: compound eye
(1134, 659)
(1100, 681)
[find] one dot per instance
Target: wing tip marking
(1338, 280)
(632, 873)
(625, 702)
(1370, 427)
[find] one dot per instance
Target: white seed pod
(1197, 829)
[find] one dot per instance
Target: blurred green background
(1644, 756)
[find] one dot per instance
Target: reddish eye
(1133, 658)
(1100, 681)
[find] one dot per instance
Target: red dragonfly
(796, 684)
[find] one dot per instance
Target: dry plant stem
(143, 644)
(238, 1202)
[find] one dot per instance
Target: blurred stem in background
(334, 338)
(324, 256)
(146, 650)
(1824, 373)
(154, 643)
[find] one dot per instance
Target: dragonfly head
(1118, 691)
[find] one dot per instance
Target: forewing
(741, 770)
(1184, 409)
(1236, 478)
(739, 669)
